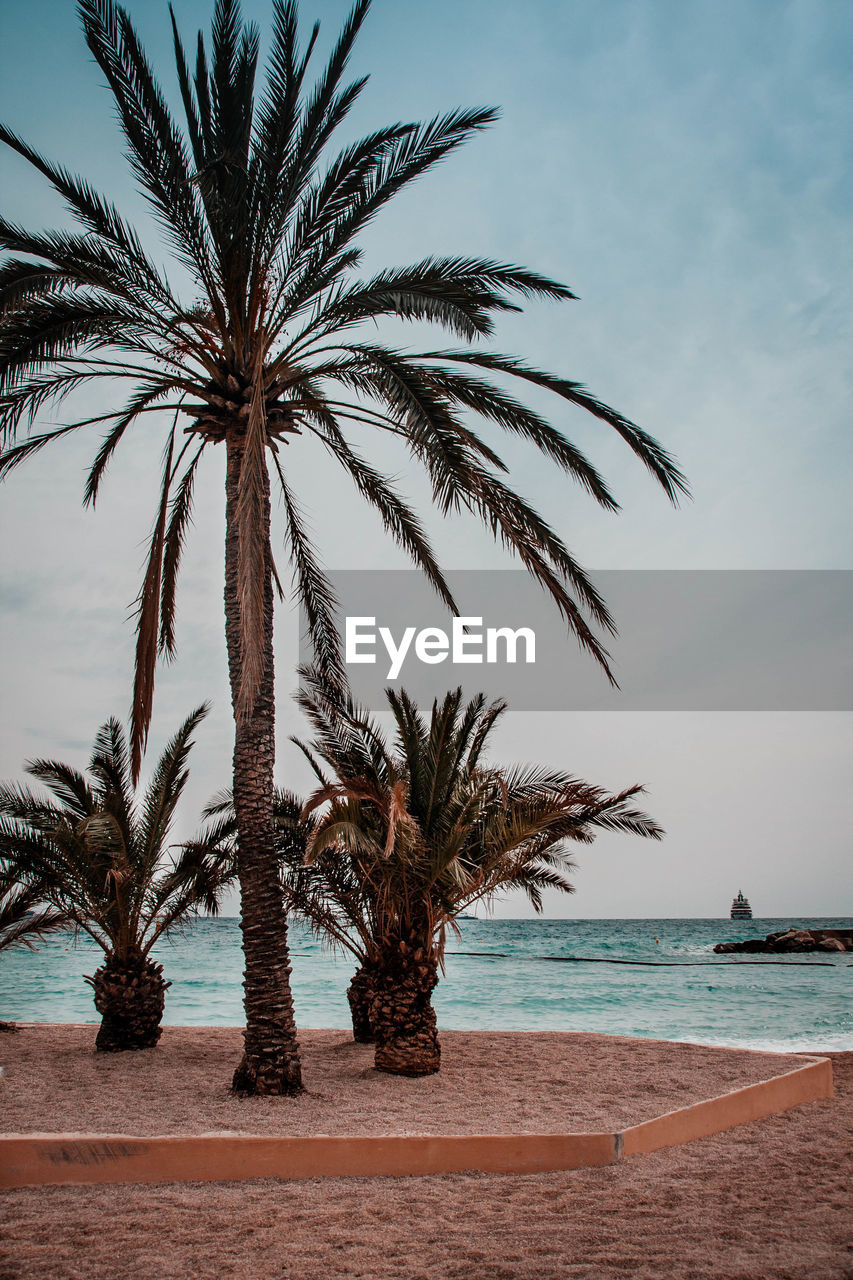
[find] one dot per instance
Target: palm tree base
(360, 994)
(402, 1015)
(129, 996)
(270, 1078)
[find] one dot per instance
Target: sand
(770, 1199)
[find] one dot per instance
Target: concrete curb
(753, 1102)
(45, 1159)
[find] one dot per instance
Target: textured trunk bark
(129, 996)
(401, 1012)
(270, 1063)
(360, 993)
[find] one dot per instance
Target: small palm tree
(409, 836)
(99, 860)
(268, 348)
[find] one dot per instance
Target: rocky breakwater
(794, 940)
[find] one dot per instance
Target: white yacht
(741, 910)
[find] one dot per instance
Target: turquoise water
(526, 975)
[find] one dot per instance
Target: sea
(653, 978)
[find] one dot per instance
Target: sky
(685, 170)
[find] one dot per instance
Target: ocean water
(655, 978)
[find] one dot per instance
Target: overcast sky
(685, 169)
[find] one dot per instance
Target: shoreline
(794, 1047)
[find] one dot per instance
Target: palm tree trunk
(270, 1063)
(401, 1012)
(129, 995)
(360, 994)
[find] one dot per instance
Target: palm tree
(99, 860)
(267, 348)
(409, 836)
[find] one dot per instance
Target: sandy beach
(768, 1199)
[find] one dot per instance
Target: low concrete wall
(40, 1159)
(753, 1102)
(43, 1159)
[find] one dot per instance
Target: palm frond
(438, 830)
(98, 861)
(165, 789)
(18, 453)
(21, 920)
(654, 457)
(180, 517)
(148, 623)
(147, 395)
(313, 588)
(94, 211)
(67, 784)
(156, 150)
(397, 517)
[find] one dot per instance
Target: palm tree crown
(430, 827)
(97, 855)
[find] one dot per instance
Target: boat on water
(741, 910)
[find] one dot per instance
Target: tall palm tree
(266, 348)
(405, 837)
(99, 860)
